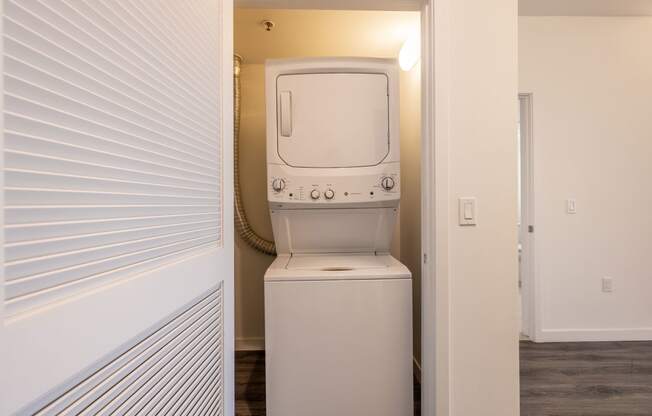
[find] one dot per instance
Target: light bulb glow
(410, 52)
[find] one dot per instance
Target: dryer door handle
(286, 113)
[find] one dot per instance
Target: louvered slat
(111, 142)
(174, 369)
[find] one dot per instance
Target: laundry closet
(327, 257)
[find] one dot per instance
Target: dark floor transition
(557, 379)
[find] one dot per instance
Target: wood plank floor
(250, 385)
(586, 379)
(561, 379)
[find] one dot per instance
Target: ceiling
(300, 33)
(585, 7)
(332, 4)
(526, 7)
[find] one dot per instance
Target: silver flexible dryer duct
(241, 224)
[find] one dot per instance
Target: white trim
(594, 335)
(250, 344)
(435, 211)
(228, 242)
(528, 279)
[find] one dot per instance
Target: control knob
(329, 194)
(387, 183)
(314, 194)
(278, 184)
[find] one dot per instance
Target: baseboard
(594, 335)
(250, 344)
(417, 369)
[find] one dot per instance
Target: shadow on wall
(250, 265)
(410, 213)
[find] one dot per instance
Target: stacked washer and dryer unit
(338, 306)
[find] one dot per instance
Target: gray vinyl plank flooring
(557, 379)
(250, 383)
(586, 379)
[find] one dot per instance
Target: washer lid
(332, 120)
(339, 263)
(335, 267)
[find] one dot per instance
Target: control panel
(286, 186)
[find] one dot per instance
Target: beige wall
(410, 215)
(304, 33)
(250, 265)
(591, 80)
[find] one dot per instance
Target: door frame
(228, 226)
(435, 209)
(435, 215)
(527, 233)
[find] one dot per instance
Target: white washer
(338, 306)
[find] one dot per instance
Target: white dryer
(338, 306)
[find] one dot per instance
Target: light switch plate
(571, 206)
(468, 214)
(607, 284)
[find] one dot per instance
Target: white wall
(476, 156)
(591, 79)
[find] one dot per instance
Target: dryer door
(332, 120)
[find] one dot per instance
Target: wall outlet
(607, 284)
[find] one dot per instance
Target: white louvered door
(117, 259)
